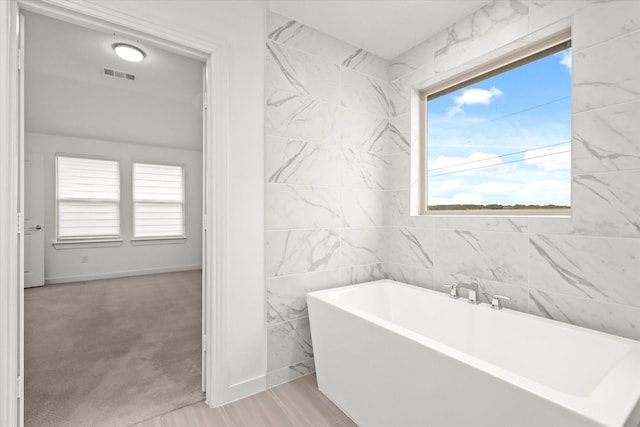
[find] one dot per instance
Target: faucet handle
(495, 301)
(454, 290)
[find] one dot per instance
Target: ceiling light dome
(128, 52)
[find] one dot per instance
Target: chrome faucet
(495, 301)
(473, 293)
(453, 293)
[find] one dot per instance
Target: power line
(499, 164)
(497, 157)
(526, 109)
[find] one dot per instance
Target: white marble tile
(366, 62)
(605, 74)
(501, 257)
(300, 117)
(364, 208)
(486, 289)
(606, 139)
(289, 161)
(362, 93)
(416, 57)
(364, 170)
(400, 96)
(605, 269)
(589, 27)
(297, 206)
(363, 246)
(287, 295)
(301, 251)
(607, 204)
(468, 223)
(546, 225)
(412, 275)
(606, 317)
(290, 373)
(294, 71)
(362, 274)
(363, 131)
(288, 343)
(543, 13)
(399, 135)
(400, 171)
(292, 33)
(399, 211)
(411, 246)
(498, 23)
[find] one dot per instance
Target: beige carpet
(112, 352)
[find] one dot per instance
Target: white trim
(79, 244)
(10, 337)
(215, 204)
(115, 275)
(143, 241)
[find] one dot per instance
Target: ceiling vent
(119, 74)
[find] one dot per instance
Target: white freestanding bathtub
(395, 355)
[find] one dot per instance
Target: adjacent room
(113, 242)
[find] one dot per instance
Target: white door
(33, 221)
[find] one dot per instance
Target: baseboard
(239, 391)
(114, 275)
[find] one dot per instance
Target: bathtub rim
(597, 405)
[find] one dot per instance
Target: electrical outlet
(84, 259)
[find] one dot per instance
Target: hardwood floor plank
(294, 404)
(306, 405)
(260, 410)
(347, 422)
(195, 415)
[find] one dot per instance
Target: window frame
(151, 239)
(86, 239)
(520, 56)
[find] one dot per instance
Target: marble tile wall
(585, 269)
(327, 174)
(339, 138)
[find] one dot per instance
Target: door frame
(215, 193)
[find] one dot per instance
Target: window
(88, 198)
(158, 197)
(499, 137)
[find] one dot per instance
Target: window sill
(78, 244)
(537, 213)
(142, 241)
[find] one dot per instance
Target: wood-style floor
(294, 404)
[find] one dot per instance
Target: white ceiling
(67, 92)
(387, 28)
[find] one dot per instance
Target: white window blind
(88, 192)
(158, 195)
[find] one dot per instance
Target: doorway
(71, 260)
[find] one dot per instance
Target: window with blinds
(158, 198)
(88, 198)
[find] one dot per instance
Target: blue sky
(504, 140)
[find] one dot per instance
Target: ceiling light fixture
(128, 52)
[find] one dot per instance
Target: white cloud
(549, 159)
(566, 59)
(471, 97)
(445, 164)
(496, 188)
(477, 96)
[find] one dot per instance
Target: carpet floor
(112, 352)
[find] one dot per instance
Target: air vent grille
(119, 74)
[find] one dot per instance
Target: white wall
(63, 264)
